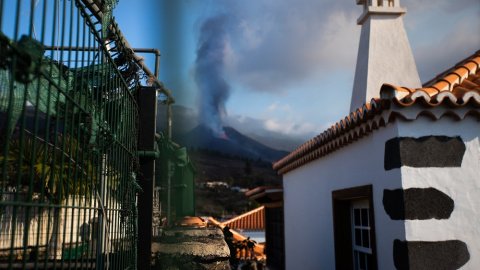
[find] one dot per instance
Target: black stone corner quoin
(445, 255)
(424, 152)
(417, 203)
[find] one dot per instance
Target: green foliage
(220, 200)
(217, 201)
(50, 167)
(248, 168)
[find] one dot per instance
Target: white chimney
(384, 53)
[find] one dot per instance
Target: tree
(46, 168)
(248, 167)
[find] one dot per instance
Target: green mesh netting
(46, 85)
(108, 6)
(17, 99)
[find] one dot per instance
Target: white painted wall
(308, 195)
(41, 223)
(308, 202)
(461, 184)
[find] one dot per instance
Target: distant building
(394, 185)
(239, 189)
(213, 184)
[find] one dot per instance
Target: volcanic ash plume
(209, 68)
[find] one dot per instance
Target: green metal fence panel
(68, 142)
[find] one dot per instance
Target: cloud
(280, 48)
(268, 127)
(277, 107)
(446, 5)
(340, 38)
(289, 127)
(275, 44)
(432, 59)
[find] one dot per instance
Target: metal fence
(68, 137)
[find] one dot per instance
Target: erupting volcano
(231, 142)
(209, 67)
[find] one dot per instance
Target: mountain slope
(185, 120)
(235, 144)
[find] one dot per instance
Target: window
(362, 250)
(354, 228)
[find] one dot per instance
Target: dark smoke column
(209, 67)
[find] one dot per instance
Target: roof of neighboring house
(251, 220)
(269, 196)
(458, 88)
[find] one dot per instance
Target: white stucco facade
(308, 201)
(462, 184)
(309, 232)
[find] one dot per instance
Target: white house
(396, 184)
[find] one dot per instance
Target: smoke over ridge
(209, 73)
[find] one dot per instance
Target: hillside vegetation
(214, 166)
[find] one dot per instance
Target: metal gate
(68, 137)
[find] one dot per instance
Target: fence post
(147, 104)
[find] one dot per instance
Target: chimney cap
(379, 7)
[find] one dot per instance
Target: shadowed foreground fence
(68, 137)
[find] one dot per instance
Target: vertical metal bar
(17, 20)
(169, 181)
(64, 194)
(146, 141)
(26, 233)
(46, 146)
(157, 64)
(44, 20)
(11, 107)
(76, 184)
(1, 14)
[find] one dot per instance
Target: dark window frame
(342, 228)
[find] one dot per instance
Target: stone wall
(191, 248)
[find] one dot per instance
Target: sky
(280, 65)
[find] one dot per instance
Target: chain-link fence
(68, 138)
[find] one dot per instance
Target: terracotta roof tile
(458, 87)
(252, 220)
